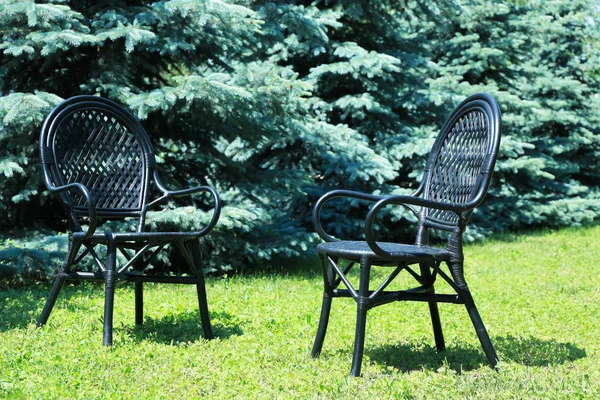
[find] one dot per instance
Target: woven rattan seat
(99, 162)
(456, 179)
(356, 250)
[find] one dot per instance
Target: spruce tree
(541, 60)
(274, 103)
(364, 62)
(392, 71)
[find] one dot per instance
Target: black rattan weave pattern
(457, 165)
(94, 148)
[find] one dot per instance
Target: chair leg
(59, 282)
(482, 333)
(323, 322)
(484, 338)
(56, 288)
(139, 303)
(201, 289)
(328, 277)
(361, 316)
(110, 277)
(438, 334)
(359, 340)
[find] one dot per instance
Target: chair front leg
(59, 282)
(51, 301)
(110, 280)
(325, 307)
(201, 289)
(362, 306)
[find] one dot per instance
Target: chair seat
(355, 250)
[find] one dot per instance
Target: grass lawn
(538, 294)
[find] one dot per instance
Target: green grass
(539, 296)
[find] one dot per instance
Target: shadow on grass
(529, 351)
(407, 358)
(184, 328)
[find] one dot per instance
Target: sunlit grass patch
(538, 294)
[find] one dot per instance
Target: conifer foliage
(541, 60)
(274, 103)
(187, 68)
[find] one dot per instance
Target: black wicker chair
(99, 162)
(455, 181)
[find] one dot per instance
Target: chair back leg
(139, 303)
(463, 291)
(438, 334)
(482, 333)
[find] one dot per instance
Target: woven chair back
(95, 142)
(462, 159)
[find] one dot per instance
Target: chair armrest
(316, 215)
(91, 205)
(405, 201)
(167, 194)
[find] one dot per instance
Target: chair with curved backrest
(455, 181)
(98, 160)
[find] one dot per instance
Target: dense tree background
(274, 103)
